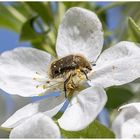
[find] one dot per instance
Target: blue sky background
(10, 40)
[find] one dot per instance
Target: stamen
(40, 78)
(45, 83)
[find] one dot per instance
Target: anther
(70, 86)
(37, 73)
(81, 77)
(40, 94)
(44, 86)
(78, 70)
(34, 78)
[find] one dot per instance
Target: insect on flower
(68, 68)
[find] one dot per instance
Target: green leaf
(43, 10)
(117, 96)
(4, 133)
(23, 9)
(10, 18)
(28, 31)
(134, 30)
(40, 43)
(14, 15)
(94, 130)
(38, 40)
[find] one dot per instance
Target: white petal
(117, 65)
(131, 128)
(18, 68)
(3, 107)
(84, 109)
(129, 113)
(37, 126)
(10, 103)
(19, 101)
(80, 32)
(131, 105)
(49, 106)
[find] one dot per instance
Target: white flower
(37, 126)
(79, 33)
(127, 123)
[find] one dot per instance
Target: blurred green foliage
(117, 96)
(134, 30)
(94, 130)
(124, 29)
(38, 22)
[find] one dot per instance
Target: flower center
(64, 85)
(65, 74)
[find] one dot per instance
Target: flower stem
(100, 11)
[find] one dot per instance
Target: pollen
(44, 86)
(37, 86)
(40, 94)
(78, 70)
(70, 86)
(81, 77)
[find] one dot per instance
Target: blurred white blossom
(127, 123)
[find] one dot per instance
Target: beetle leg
(85, 74)
(65, 85)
